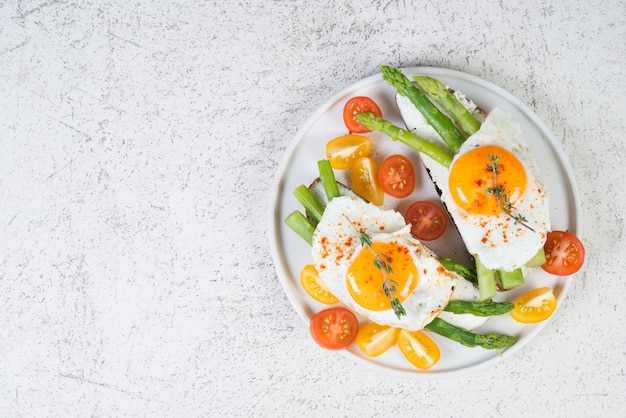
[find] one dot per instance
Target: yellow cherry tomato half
(309, 279)
(418, 348)
(374, 339)
(534, 306)
(364, 177)
(344, 151)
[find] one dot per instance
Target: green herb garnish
(381, 261)
(500, 194)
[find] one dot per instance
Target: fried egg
(502, 241)
(354, 270)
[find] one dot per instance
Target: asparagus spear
(479, 308)
(469, 272)
(510, 279)
(327, 176)
(310, 202)
(469, 339)
(300, 225)
(486, 280)
(376, 123)
(438, 91)
(296, 219)
(435, 118)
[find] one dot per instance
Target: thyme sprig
(500, 194)
(381, 261)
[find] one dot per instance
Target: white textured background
(138, 146)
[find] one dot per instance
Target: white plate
(299, 166)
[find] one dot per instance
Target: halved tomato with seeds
(565, 254)
(534, 306)
(374, 339)
(344, 151)
(418, 348)
(334, 328)
(309, 279)
(397, 176)
(364, 176)
(428, 220)
(359, 104)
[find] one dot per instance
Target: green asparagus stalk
(469, 272)
(376, 123)
(435, 118)
(511, 279)
(489, 341)
(486, 281)
(300, 225)
(438, 91)
(309, 201)
(479, 308)
(327, 176)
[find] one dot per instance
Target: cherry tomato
(374, 339)
(418, 348)
(359, 104)
(343, 151)
(309, 279)
(364, 175)
(565, 253)
(397, 176)
(534, 306)
(334, 328)
(428, 220)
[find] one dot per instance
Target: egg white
(464, 290)
(336, 243)
(483, 235)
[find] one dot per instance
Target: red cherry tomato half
(359, 104)
(428, 220)
(334, 328)
(397, 176)
(565, 253)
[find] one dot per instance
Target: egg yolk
(471, 180)
(366, 275)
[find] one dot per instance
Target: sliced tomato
(359, 104)
(344, 151)
(397, 176)
(374, 339)
(534, 306)
(565, 254)
(428, 220)
(309, 279)
(365, 181)
(334, 328)
(418, 348)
